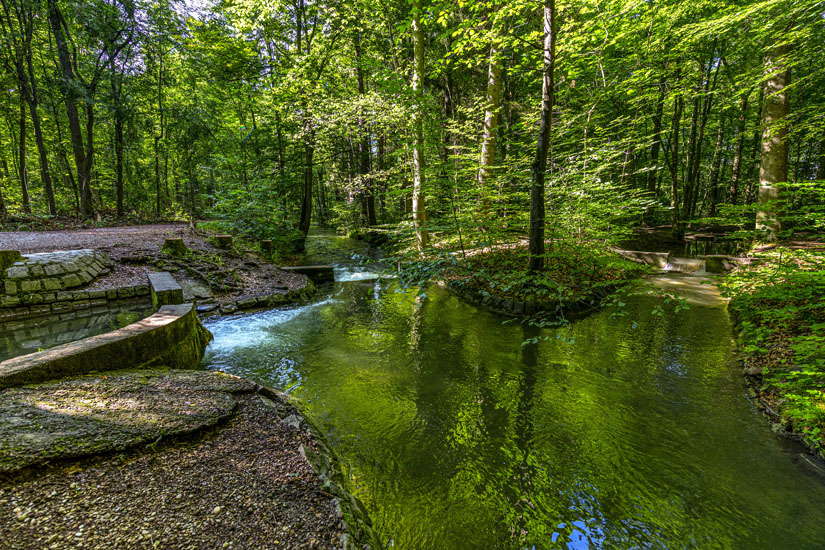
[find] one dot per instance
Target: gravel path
(245, 485)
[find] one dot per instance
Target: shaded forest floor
(136, 251)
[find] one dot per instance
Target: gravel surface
(136, 252)
(244, 485)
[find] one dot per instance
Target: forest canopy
(460, 116)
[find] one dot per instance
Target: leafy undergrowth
(574, 275)
(779, 308)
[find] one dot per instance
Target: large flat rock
(109, 412)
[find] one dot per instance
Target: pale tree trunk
(488, 143)
(418, 206)
(536, 244)
(773, 163)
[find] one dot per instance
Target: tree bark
(24, 173)
(418, 203)
(364, 141)
(67, 73)
(655, 146)
(539, 166)
(713, 177)
(733, 191)
(675, 227)
(491, 118)
(773, 163)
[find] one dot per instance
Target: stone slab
(317, 273)
(172, 337)
(164, 289)
(97, 414)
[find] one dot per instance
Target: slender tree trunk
(306, 205)
(279, 131)
(65, 159)
(90, 156)
(67, 72)
(3, 211)
(820, 172)
(491, 118)
(755, 147)
(24, 173)
(656, 146)
(675, 222)
(119, 164)
(539, 166)
(773, 164)
(713, 178)
(364, 141)
(45, 174)
(382, 167)
(691, 153)
(418, 206)
(733, 192)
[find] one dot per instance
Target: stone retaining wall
(44, 332)
(508, 306)
(48, 303)
(259, 302)
(50, 272)
(172, 337)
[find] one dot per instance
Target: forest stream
(629, 431)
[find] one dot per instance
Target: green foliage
(779, 306)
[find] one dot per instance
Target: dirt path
(136, 252)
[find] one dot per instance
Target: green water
(456, 436)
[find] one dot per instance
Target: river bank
(778, 308)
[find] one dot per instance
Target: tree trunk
(755, 147)
(733, 192)
(306, 204)
(713, 177)
(820, 172)
(3, 210)
(675, 227)
(656, 146)
(418, 206)
(364, 141)
(24, 173)
(773, 163)
(491, 118)
(67, 73)
(539, 166)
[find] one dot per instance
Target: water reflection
(457, 436)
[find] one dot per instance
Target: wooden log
(175, 246)
(223, 241)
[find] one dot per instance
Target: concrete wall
(173, 337)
